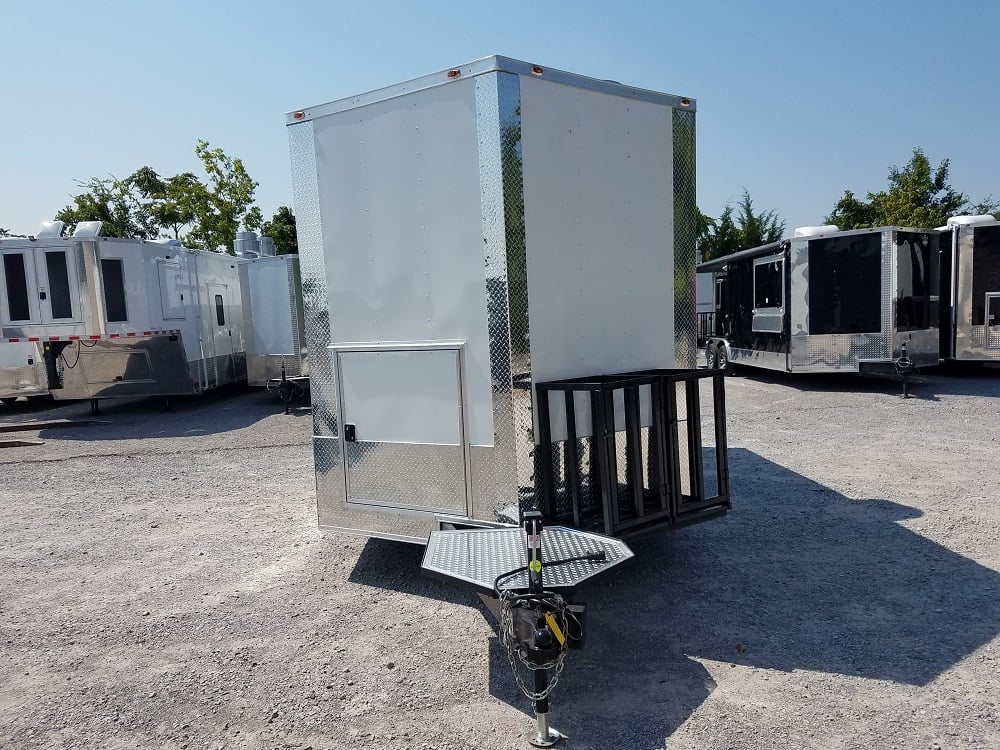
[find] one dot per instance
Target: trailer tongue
(531, 576)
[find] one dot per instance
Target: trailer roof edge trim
(716, 263)
(491, 64)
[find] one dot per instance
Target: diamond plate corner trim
(498, 100)
(889, 271)
(312, 266)
(685, 229)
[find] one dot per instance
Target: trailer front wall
(845, 308)
(43, 288)
(275, 336)
(399, 181)
(977, 293)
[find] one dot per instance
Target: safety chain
(515, 654)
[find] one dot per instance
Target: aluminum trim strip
(492, 64)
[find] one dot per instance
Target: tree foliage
(281, 228)
(918, 196)
(223, 205)
(737, 228)
(145, 205)
(117, 203)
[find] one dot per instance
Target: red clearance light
(299, 115)
(537, 70)
(685, 102)
(454, 73)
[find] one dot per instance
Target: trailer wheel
(710, 356)
(722, 361)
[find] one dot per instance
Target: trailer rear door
(404, 431)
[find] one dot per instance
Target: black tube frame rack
(621, 482)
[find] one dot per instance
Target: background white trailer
(468, 235)
(272, 303)
(120, 317)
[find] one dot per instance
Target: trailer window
(768, 284)
(220, 310)
(17, 287)
(917, 281)
(845, 284)
(58, 276)
(114, 289)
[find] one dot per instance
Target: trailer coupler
(537, 624)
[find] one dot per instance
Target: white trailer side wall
(598, 197)
(399, 181)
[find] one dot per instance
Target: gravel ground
(163, 585)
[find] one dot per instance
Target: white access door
(38, 285)
(404, 426)
(219, 325)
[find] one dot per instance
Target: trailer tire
(8, 399)
(722, 361)
(710, 356)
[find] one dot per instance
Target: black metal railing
(706, 327)
(625, 453)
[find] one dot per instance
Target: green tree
(220, 208)
(281, 228)
(737, 228)
(117, 203)
(169, 202)
(918, 196)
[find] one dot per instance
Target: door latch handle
(350, 434)
(42, 296)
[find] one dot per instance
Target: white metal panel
(171, 283)
(600, 255)
(400, 200)
(138, 296)
(272, 308)
(403, 396)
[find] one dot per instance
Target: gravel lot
(163, 585)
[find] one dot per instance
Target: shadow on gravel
(386, 564)
(216, 411)
(928, 385)
(796, 577)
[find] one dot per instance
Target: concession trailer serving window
(845, 291)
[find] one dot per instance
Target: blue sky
(797, 101)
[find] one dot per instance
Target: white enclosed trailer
(122, 317)
(970, 289)
(467, 237)
(272, 302)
